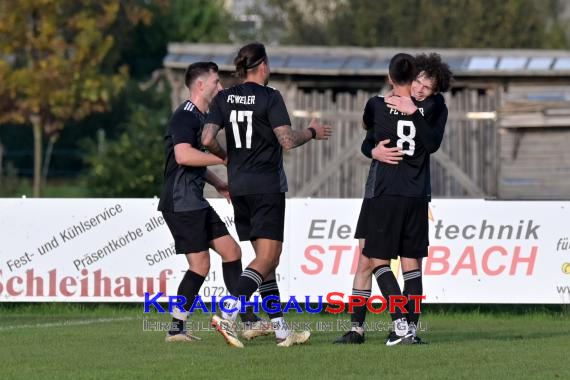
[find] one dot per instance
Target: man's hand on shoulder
(401, 104)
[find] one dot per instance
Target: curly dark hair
(435, 69)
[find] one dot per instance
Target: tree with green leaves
(426, 23)
(49, 73)
(143, 47)
(197, 21)
(132, 164)
(52, 55)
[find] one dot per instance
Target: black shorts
(259, 216)
(362, 220)
(194, 230)
(394, 226)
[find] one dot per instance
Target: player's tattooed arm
(289, 138)
(209, 140)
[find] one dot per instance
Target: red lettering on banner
(439, 261)
(529, 260)
(84, 283)
(141, 288)
(338, 249)
(91, 285)
(433, 260)
(31, 280)
(10, 285)
(315, 260)
(106, 283)
(64, 284)
(52, 282)
(355, 259)
(318, 264)
(162, 279)
(467, 261)
(500, 268)
(124, 289)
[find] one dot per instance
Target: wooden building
(506, 136)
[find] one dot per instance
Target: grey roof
(320, 60)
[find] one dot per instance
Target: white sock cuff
(176, 313)
(401, 326)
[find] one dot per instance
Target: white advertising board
(115, 250)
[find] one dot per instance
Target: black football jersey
(249, 112)
(411, 176)
(183, 185)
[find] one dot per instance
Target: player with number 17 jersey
(249, 112)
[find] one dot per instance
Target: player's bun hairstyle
(402, 69)
(198, 69)
(435, 70)
(249, 57)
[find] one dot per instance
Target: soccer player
(258, 128)
(433, 78)
(194, 224)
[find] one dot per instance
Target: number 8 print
(409, 138)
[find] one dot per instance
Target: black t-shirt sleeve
(277, 111)
(432, 135)
(215, 114)
(184, 128)
(368, 143)
(368, 120)
(368, 115)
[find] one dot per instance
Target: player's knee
(364, 270)
(230, 252)
(234, 253)
(364, 266)
(276, 260)
(273, 259)
(237, 251)
(409, 264)
(200, 264)
(374, 263)
(270, 262)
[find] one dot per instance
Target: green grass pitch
(70, 341)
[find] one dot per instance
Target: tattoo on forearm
(215, 148)
(209, 133)
(289, 138)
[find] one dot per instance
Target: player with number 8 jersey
(401, 134)
(411, 177)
